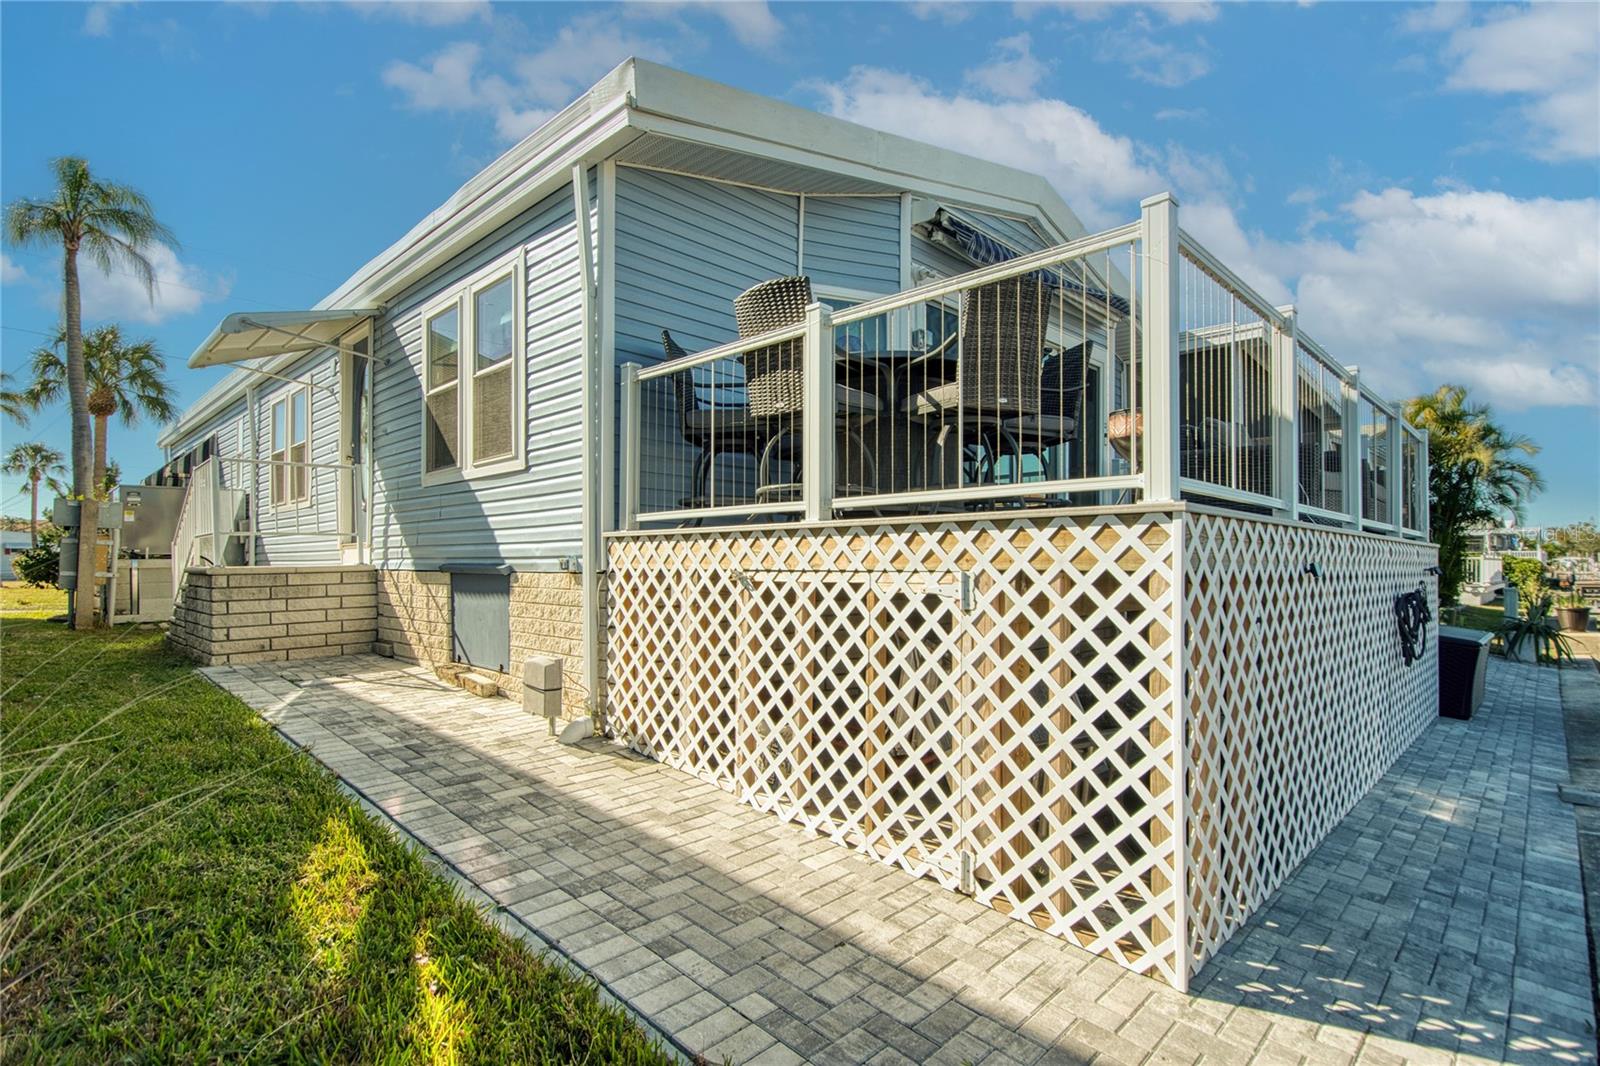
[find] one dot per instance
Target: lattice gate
(987, 703)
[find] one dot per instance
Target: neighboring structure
(1487, 549)
(1059, 568)
(12, 542)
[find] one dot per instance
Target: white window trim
(512, 267)
(462, 298)
(286, 397)
(432, 311)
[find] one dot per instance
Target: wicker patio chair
(711, 426)
(1002, 349)
(1061, 385)
(775, 385)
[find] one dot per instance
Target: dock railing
(1129, 365)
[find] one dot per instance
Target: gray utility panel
(480, 620)
(150, 517)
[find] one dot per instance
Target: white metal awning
(248, 335)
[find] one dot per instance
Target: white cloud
(1180, 114)
(180, 288)
(10, 272)
(97, 17)
(1499, 293)
(533, 87)
(1098, 172)
(1168, 64)
(1013, 71)
(949, 12)
(1547, 54)
(427, 12)
(752, 22)
(1175, 13)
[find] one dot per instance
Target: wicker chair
(1002, 349)
(775, 375)
(775, 384)
(1061, 385)
(712, 427)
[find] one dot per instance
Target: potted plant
(1533, 637)
(1573, 611)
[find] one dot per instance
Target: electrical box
(149, 517)
(64, 513)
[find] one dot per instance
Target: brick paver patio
(1442, 920)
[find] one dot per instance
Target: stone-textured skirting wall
(241, 614)
(546, 619)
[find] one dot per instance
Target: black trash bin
(1463, 662)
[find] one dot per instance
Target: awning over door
(262, 334)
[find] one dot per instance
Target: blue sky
(1422, 181)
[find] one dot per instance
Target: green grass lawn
(215, 896)
(1484, 618)
(17, 597)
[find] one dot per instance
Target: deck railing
(235, 500)
(1131, 364)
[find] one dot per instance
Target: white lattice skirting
(993, 702)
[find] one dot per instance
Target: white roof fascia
(673, 103)
(635, 98)
(457, 224)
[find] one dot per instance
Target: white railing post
(1352, 447)
(1159, 232)
(631, 444)
(218, 545)
(1395, 474)
(1285, 399)
(1424, 491)
(818, 417)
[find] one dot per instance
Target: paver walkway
(1442, 920)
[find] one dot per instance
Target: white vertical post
(1395, 474)
(253, 494)
(631, 445)
(1286, 443)
(1159, 232)
(1425, 493)
(592, 558)
(818, 417)
(1352, 447)
(218, 545)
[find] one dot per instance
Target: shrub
(1527, 577)
(41, 566)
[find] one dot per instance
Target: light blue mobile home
(481, 435)
(850, 474)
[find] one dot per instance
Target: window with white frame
(291, 431)
(472, 364)
(441, 358)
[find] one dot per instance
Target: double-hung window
(472, 367)
(441, 357)
(291, 429)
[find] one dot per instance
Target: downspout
(253, 500)
(369, 368)
(590, 543)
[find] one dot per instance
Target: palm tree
(1477, 473)
(113, 225)
(124, 379)
(36, 462)
(12, 403)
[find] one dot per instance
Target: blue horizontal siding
(520, 517)
(853, 242)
